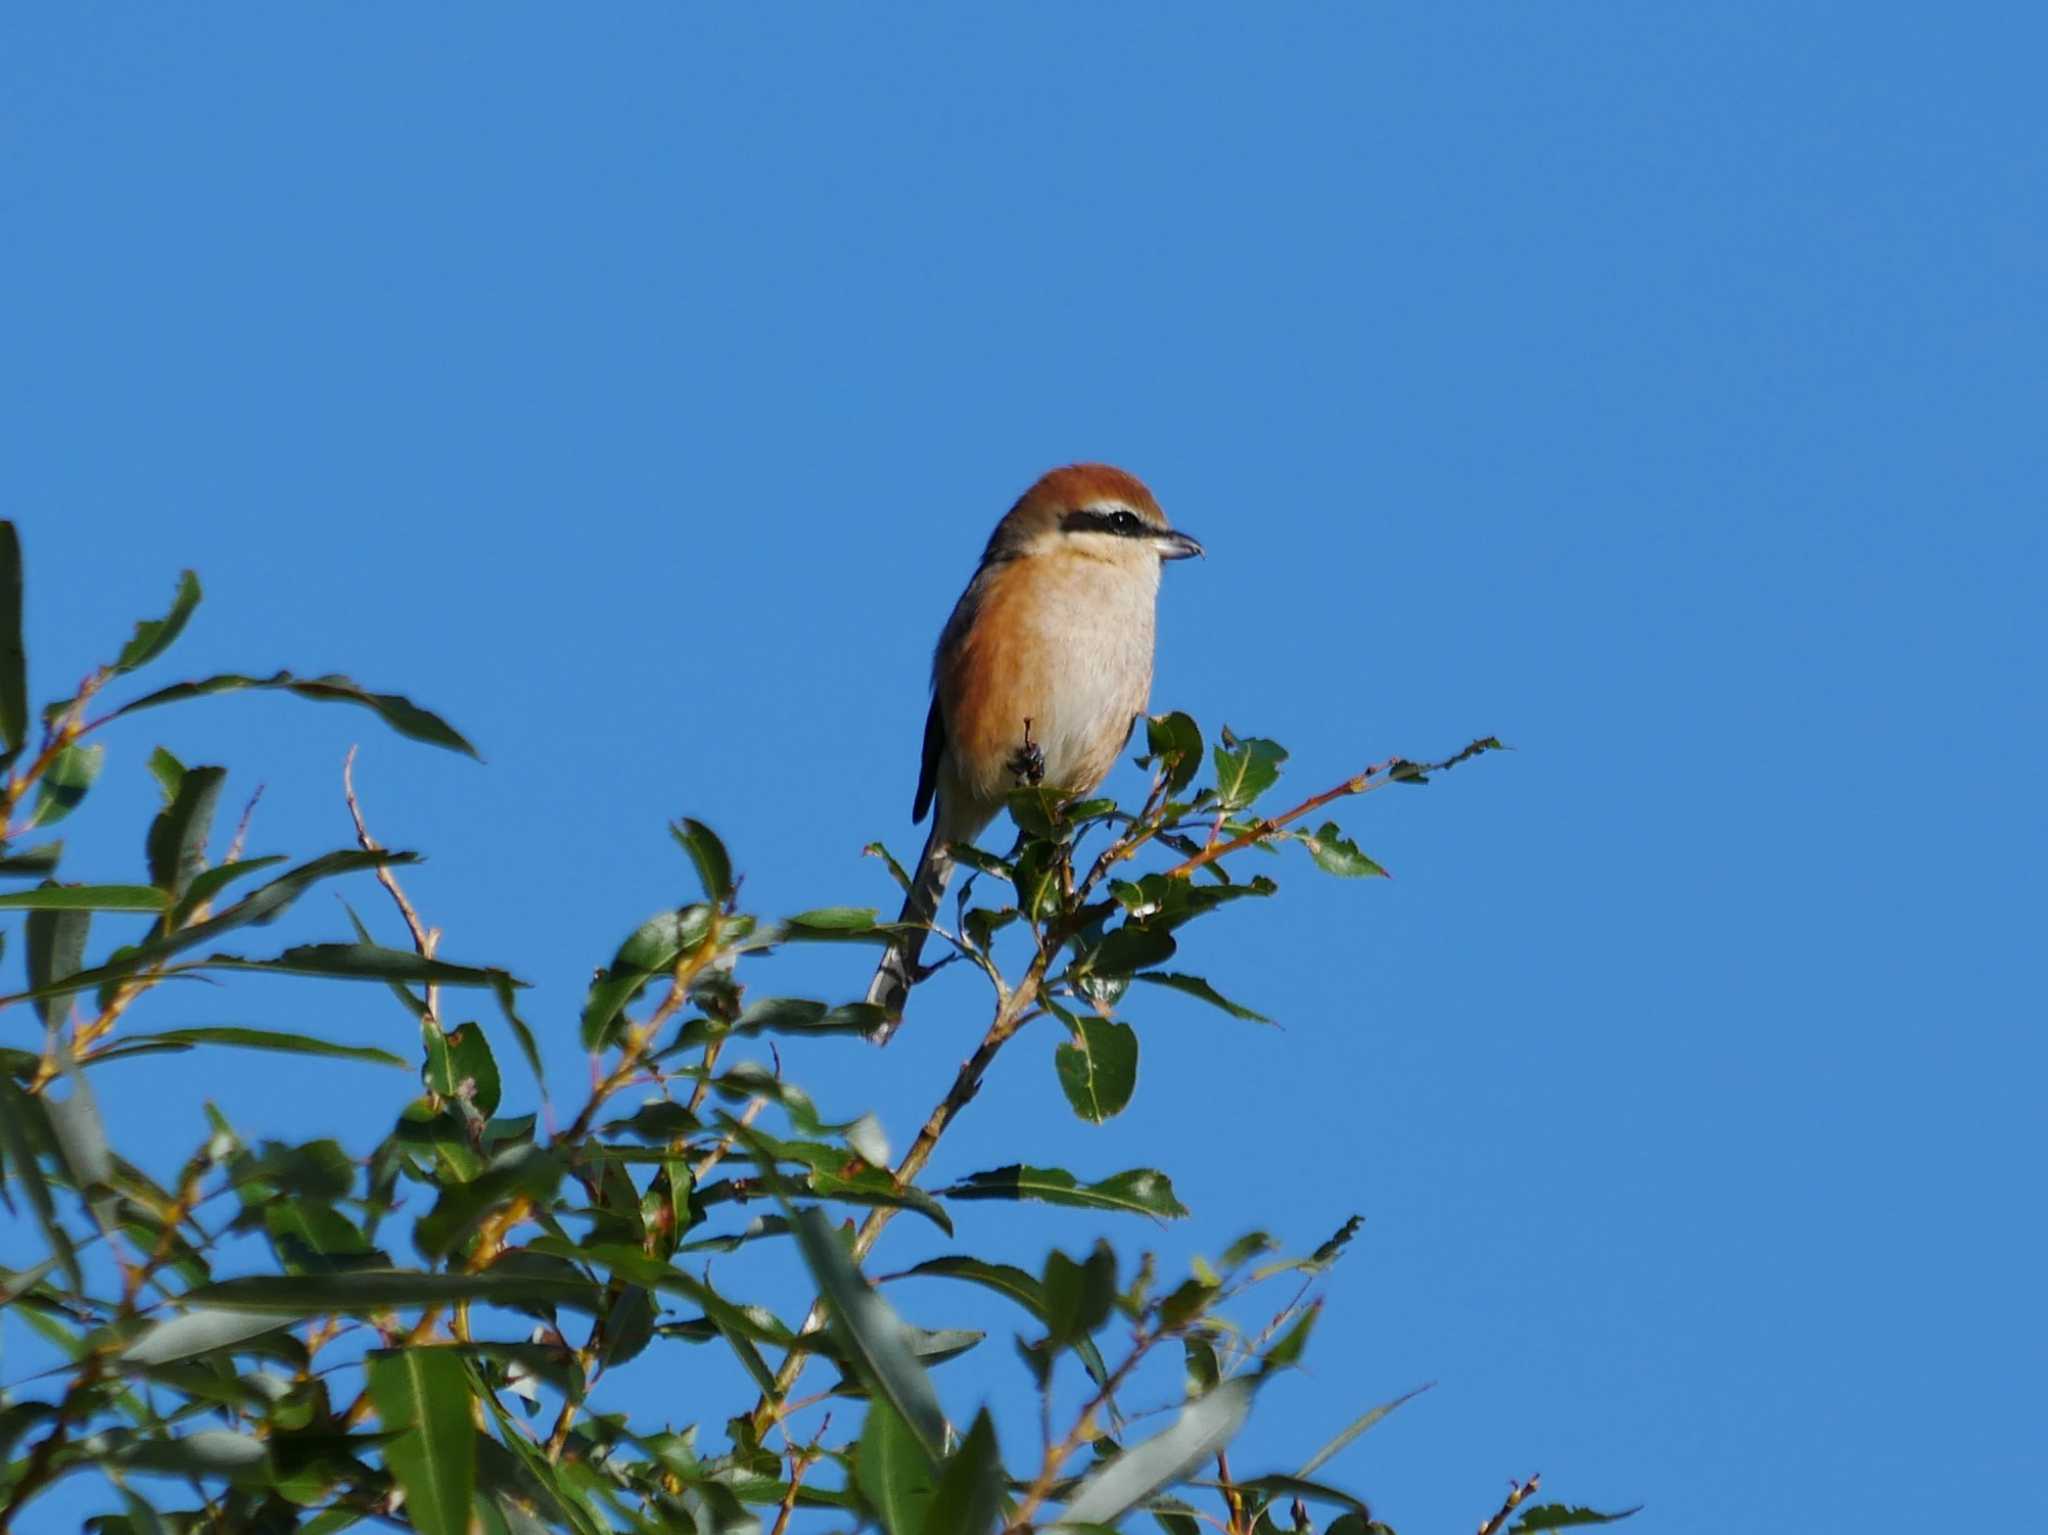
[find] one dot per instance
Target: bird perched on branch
(1039, 674)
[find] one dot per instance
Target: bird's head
(1093, 511)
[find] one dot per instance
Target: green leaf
(208, 883)
(363, 962)
(261, 905)
(1007, 1280)
(81, 1136)
(33, 861)
(1556, 1516)
(1164, 902)
(204, 1452)
(797, 1015)
(1177, 1518)
(1278, 1486)
(1003, 1278)
(1036, 876)
(422, 1395)
(929, 1348)
(1129, 948)
(56, 953)
(714, 865)
(401, 714)
(1078, 1296)
(13, 658)
(1195, 986)
(168, 772)
(365, 1292)
(873, 1336)
(1288, 1348)
(271, 1040)
(877, 850)
(154, 636)
(519, 1170)
(971, 1485)
(177, 837)
(142, 1518)
(1205, 1426)
(63, 785)
(1338, 854)
(414, 1005)
(894, 1471)
(14, 1135)
(1141, 1191)
(86, 898)
(652, 950)
(1037, 809)
(834, 924)
(502, 986)
(1356, 1427)
(460, 1065)
(198, 1331)
(1174, 741)
(1098, 1068)
(1245, 769)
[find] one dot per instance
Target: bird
(1039, 675)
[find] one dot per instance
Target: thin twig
(800, 1462)
(1084, 1426)
(1377, 776)
(424, 939)
(717, 1153)
(241, 836)
(1516, 1493)
(1015, 1009)
(60, 734)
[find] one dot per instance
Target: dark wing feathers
(928, 773)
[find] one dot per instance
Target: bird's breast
(1063, 643)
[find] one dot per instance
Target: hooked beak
(1177, 546)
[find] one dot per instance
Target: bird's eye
(1126, 522)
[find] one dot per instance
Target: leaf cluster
(293, 1334)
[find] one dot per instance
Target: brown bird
(1039, 675)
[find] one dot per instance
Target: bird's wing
(928, 774)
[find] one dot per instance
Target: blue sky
(1658, 387)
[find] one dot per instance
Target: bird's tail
(898, 969)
